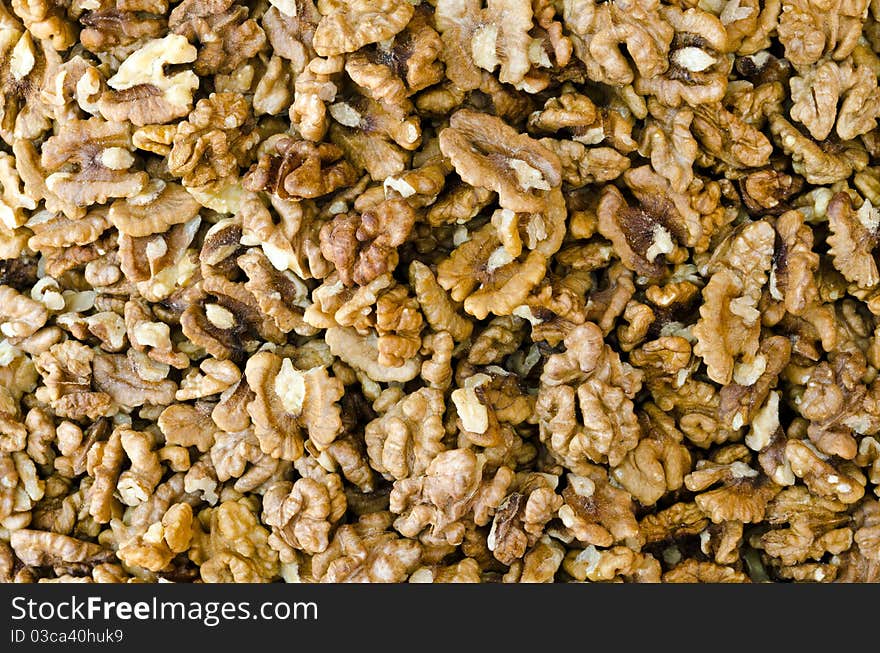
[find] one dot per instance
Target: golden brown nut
(488, 153)
(591, 381)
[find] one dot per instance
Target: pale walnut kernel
(142, 93)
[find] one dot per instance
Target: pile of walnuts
(433, 291)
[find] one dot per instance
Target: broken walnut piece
(300, 169)
(487, 152)
(140, 91)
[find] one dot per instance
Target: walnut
(159, 207)
(748, 24)
(235, 457)
(487, 404)
(853, 238)
(680, 519)
(66, 370)
(466, 571)
(520, 520)
(591, 376)
(214, 142)
(596, 512)
(362, 247)
(598, 29)
(439, 310)
(301, 169)
(18, 375)
(488, 153)
(104, 462)
(26, 66)
(555, 306)
(237, 547)
(691, 216)
(161, 541)
(117, 375)
(14, 204)
(364, 128)
(47, 21)
(362, 353)
(818, 163)
(13, 434)
(697, 59)
(160, 262)
(392, 70)
(367, 551)
(280, 294)
(695, 571)
(818, 90)
(615, 564)
(582, 165)
(729, 325)
(302, 513)
(659, 462)
(187, 426)
(804, 527)
(20, 316)
(313, 88)
(640, 240)
(820, 476)
(497, 36)
(223, 30)
(292, 400)
(22, 489)
(834, 402)
(433, 504)
(570, 111)
(794, 264)
(382, 306)
(142, 93)
(120, 27)
(290, 244)
(539, 565)
(90, 163)
(346, 27)
(749, 400)
(230, 326)
(767, 191)
(495, 269)
(807, 37)
(44, 548)
(404, 440)
(743, 495)
(730, 139)
(290, 32)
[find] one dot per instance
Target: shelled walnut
(446, 291)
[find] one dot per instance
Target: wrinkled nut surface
(446, 291)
